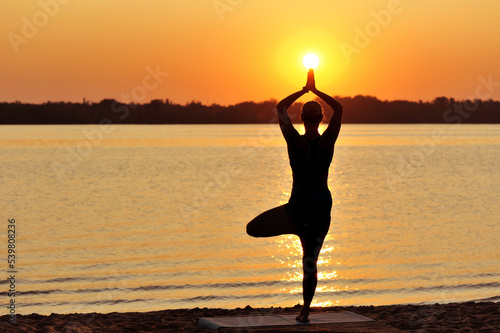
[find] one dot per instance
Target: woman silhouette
(307, 213)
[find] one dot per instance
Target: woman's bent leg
(273, 222)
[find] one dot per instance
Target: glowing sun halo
(311, 60)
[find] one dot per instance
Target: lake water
(142, 218)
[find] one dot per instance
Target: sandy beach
(453, 317)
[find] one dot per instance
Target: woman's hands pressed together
(311, 83)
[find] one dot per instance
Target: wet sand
(453, 317)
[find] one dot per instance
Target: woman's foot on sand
(303, 316)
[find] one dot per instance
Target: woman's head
(312, 113)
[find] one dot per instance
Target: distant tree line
(358, 109)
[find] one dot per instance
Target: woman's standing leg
(311, 248)
(312, 239)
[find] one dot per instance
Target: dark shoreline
(357, 110)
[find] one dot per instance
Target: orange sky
(229, 51)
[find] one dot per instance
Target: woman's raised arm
(289, 132)
(331, 133)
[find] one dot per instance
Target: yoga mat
(215, 323)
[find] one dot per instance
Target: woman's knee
(252, 229)
(273, 222)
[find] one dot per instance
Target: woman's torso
(310, 170)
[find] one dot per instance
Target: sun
(310, 61)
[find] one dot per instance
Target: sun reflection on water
(315, 303)
(290, 256)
